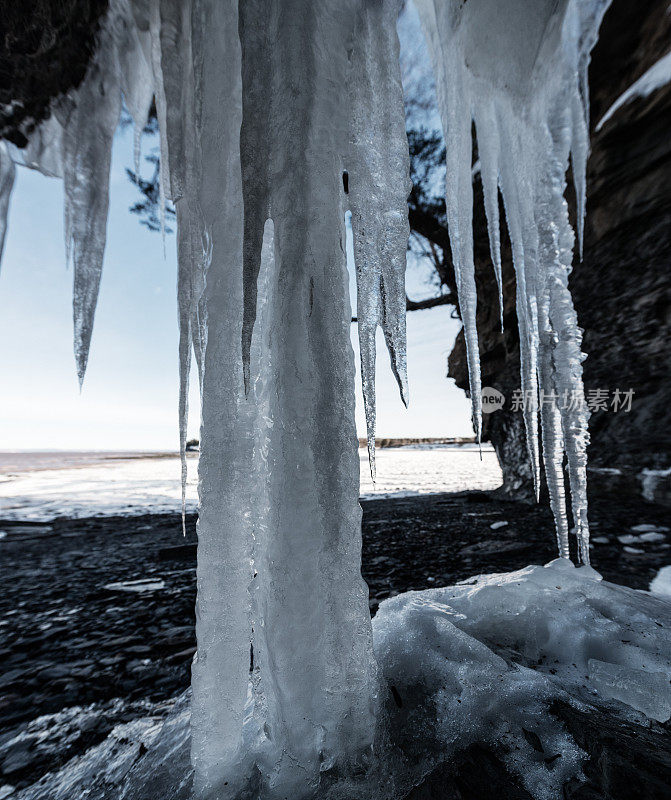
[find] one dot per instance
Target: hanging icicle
(378, 186)
(518, 70)
(7, 174)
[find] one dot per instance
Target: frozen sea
(41, 486)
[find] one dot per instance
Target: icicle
(454, 100)
(135, 65)
(87, 153)
(521, 228)
(160, 100)
(553, 441)
(317, 690)
(7, 174)
(378, 187)
(579, 153)
(220, 671)
(177, 82)
(488, 149)
(255, 157)
(519, 70)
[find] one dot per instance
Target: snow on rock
(648, 535)
(649, 528)
(654, 483)
(486, 657)
(518, 70)
(139, 585)
(661, 583)
(657, 76)
(115, 767)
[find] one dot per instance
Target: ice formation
(275, 117)
(518, 72)
(378, 188)
(7, 172)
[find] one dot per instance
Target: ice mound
(565, 623)
(488, 655)
(139, 760)
(481, 661)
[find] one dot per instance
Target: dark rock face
(622, 288)
(626, 762)
(45, 48)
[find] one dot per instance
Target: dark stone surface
(622, 288)
(45, 48)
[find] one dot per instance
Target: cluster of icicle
(518, 71)
(264, 108)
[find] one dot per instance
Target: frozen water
(7, 171)
(262, 107)
(518, 72)
(378, 188)
(661, 583)
(564, 622)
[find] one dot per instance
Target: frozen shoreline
(102, 484)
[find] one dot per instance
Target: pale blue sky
(130, 392)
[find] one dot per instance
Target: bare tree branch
(421, 305)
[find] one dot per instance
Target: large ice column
(518, 70)
(312, 640)
(220, 675)
(378, 184)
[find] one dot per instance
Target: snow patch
(140, 585)
(657, 76)
(661, 583)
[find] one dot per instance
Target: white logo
(492, 400)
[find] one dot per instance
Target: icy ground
(480, 661)
(152, 485)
